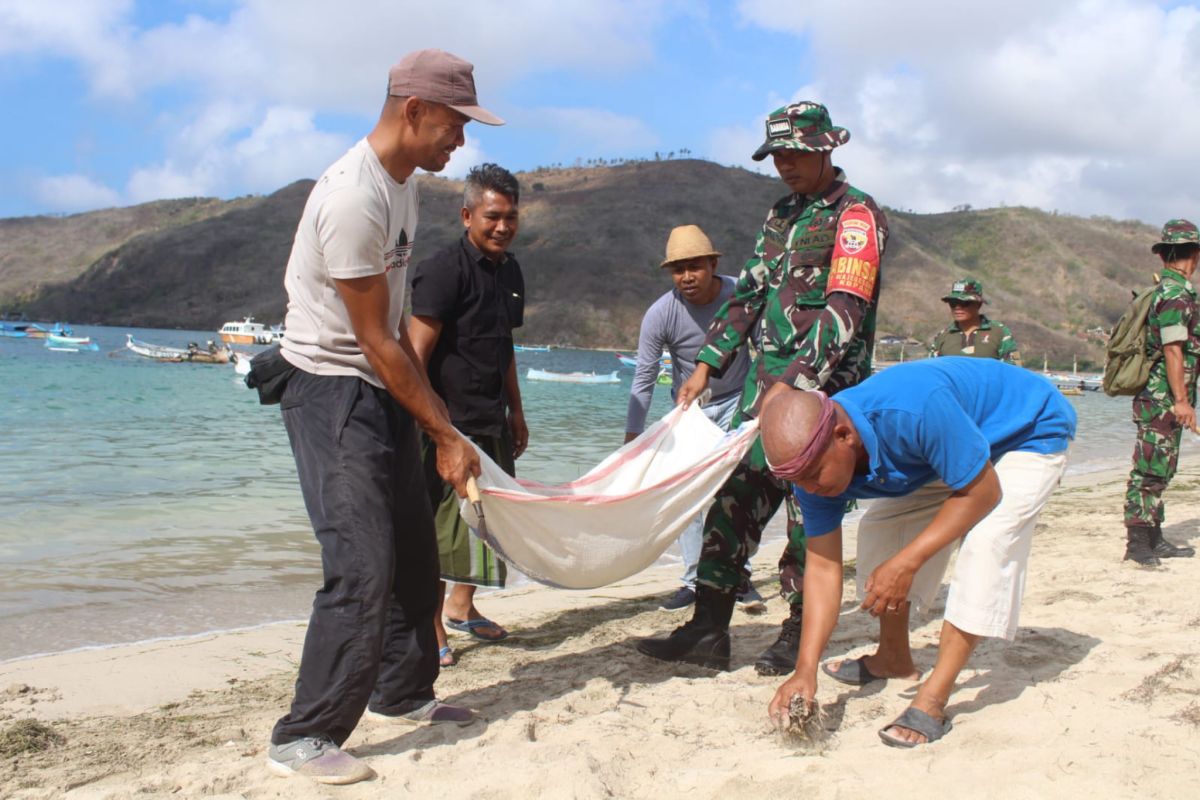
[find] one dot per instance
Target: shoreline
(1100, 688)
(773, 536)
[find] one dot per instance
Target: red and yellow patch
(854, 266)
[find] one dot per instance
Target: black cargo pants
(370, 638)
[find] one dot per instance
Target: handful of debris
(805, 724)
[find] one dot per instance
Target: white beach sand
(1098, 697)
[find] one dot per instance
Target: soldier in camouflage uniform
(1167, 403)
(972, 333)
(806, 302)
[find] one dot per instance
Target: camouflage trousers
(734, 526)
(1155, 456)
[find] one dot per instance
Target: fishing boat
(572, 377)
(71, 344)
(193, 353)
(246, 332)
(31, 330)
(627, 361)
(531, 348)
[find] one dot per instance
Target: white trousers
(989, 575)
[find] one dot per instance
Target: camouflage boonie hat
(1177, 231)
(801, 126)
(967, 290)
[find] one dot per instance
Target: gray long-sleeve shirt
(677, 326)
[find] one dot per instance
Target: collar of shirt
(877, 474)
(1171, 276)
(985, 324)
(477, 256)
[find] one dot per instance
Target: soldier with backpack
(1165, 405)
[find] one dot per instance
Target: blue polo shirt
(942, 418)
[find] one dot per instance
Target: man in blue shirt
(960, 451)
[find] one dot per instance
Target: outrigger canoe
(193, 354)
(572, 377)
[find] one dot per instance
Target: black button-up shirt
(479, 302)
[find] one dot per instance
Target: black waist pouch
(269, 374)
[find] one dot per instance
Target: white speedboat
(246, 332)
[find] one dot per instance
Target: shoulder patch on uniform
(854, 266)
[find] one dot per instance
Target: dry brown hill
(590, 243)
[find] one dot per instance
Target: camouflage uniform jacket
(989, 340)
(806, 298)
(1174, 317)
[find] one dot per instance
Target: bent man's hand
(629, 437)
(887, 587)
(457, 461)
(693, 387)
(803, 685)
(1185, 414)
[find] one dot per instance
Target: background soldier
(972, 333)
(807, 298)
(1166, 405)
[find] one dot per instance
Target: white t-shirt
(358, 221)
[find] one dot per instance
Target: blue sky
(1084, 106)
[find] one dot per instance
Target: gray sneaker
(317, 758)
(683, 598)
(435, 712)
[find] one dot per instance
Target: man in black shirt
(466, 301)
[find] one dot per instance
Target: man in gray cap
(349, 407)
(807, 298)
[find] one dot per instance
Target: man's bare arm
(393, 360)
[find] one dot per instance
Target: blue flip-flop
(446, 657)
(472, 626)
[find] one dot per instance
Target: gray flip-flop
(915, 720)
(852, 671)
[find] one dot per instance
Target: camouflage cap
(801, 126)
(1177, 231)
(967, 290)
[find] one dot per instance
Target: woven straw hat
(687, 241)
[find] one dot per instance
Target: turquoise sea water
(140, 499)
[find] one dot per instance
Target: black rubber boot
(780, 658)
(1164, 549)
(1139, 548)
(704, 639)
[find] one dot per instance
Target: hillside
(590, 242)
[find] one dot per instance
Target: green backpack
(1127, 367)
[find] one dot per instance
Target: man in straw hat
(963, 452)
(1166, 405)
(970, 332)
(349, 410)
(676, 323)
(807, 299)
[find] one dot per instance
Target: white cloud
(585, 128)
(94, 32)
(1085, 106)
(217, 155)
(252, 82)
(70, 193)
